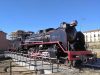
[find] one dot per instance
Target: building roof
(3, 32)
(91, 31)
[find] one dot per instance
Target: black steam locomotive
(66, 34)
(64, 42)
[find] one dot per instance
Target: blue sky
(33, 15)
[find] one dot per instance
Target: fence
(20, 64)
(11, 67)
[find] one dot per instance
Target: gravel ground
(74, 72)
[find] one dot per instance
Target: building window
(94, 35)
(98, 35)
(90, 38)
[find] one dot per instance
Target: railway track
(95, 65)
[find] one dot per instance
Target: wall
(4, 43)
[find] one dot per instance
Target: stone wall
(93, 45)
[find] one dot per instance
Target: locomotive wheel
(84, 59)
(76, 63)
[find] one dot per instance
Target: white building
(92, 36)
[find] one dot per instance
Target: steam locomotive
(64, 43)
(65, 34)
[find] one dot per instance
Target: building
(20, 34)
(4, 43)
(92, 37)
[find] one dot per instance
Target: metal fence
(10, 67)
(22, 64)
